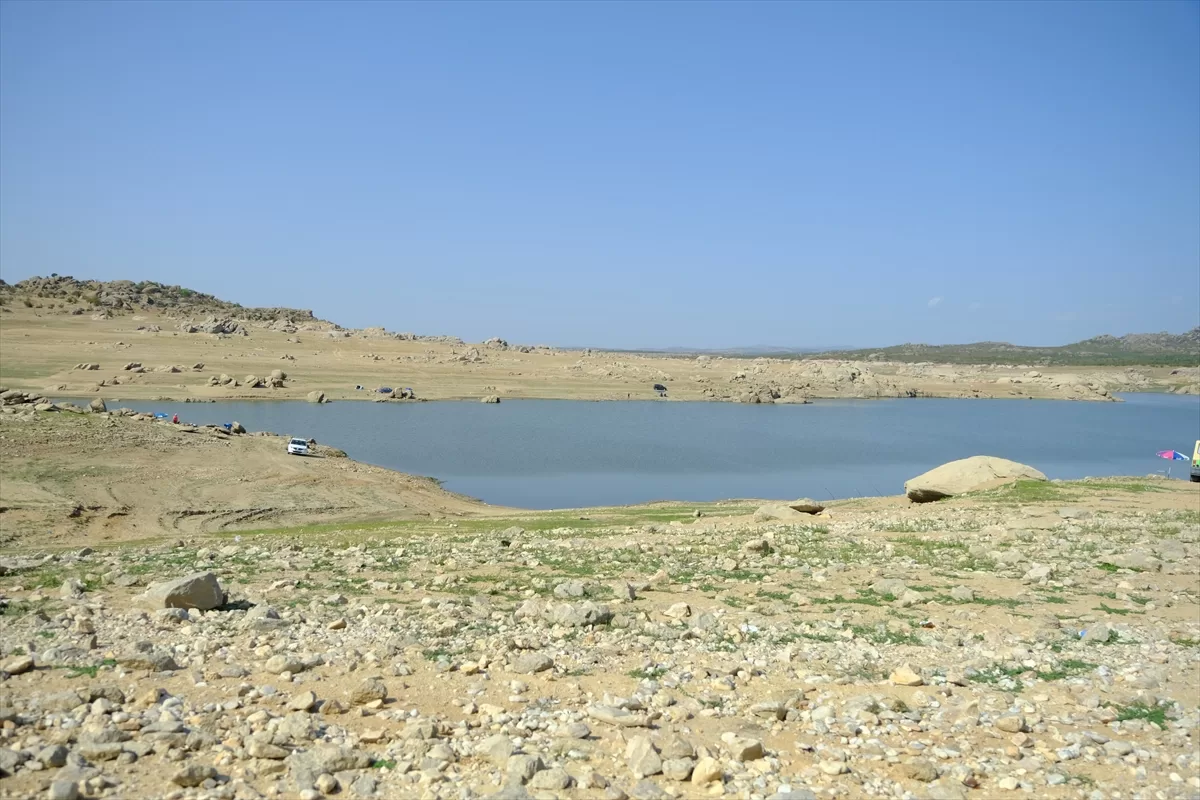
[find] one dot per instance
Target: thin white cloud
(933, 301)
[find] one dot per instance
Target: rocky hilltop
(75, 296)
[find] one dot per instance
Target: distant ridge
(1134, 349)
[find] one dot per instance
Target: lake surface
(560, 454)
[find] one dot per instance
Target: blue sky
(620, 174)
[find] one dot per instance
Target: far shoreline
(68, 395)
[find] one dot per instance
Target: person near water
(175, 419)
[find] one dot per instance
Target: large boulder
(777, 511)
(806, 505)
(316, 397)
(967, 475)
(200, 591)
(97, 405)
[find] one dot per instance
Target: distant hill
(1141, 349)
(65, 292)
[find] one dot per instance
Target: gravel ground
(1033, 642)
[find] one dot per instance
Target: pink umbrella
(1171, 455)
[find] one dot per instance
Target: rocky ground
(146, 352)
(1038, 640)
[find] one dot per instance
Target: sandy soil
(96, 478)
(40, 349)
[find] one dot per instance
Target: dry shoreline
(50, 352)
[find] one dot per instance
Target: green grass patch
(1027, 491)
(1122, 612)
(1135, 487)
(883, 635)
(1139, 710)
(647, 673)
(1066, 669)
(865, 598)
(994, 674)
(90, 671)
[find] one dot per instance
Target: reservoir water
(560, 454)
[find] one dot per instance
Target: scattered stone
(678, 769)
(678, 611)
(369, 691)
(63, 790)
(279, 664)
(642, 757)
(921, 770)
(554, 779)
(305, 701)
(742, 748)
(201, 591)
(1011, 723)
(530, 663)
(707, 770)
(496, 748)
(193, 775)
(905, 675)
(18, 666)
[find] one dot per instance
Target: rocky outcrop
(967, 475)
(213, 325)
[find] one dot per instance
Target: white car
(297, 447)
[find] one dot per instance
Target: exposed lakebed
(560, 454)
